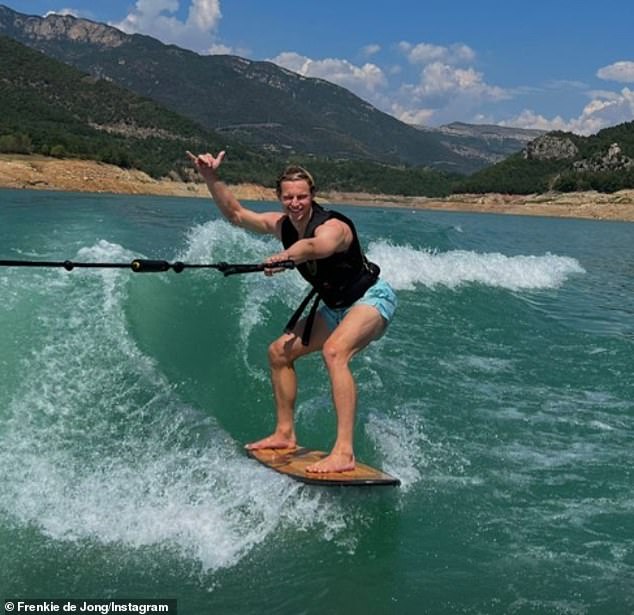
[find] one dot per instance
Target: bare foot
(273, 441)
(335, 462)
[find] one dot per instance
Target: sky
(546, 64)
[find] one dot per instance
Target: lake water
(502, 396)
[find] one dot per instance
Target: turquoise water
(502, 397)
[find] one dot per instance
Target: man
(358, 306)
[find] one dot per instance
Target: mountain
(562, 161)
(485, 143)
(51, 108)
(256, 103)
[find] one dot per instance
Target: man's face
(296, 200)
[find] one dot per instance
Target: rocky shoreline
(41, 173)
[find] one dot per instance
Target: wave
(406, 267)
(97, 445)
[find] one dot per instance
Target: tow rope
(139, 265)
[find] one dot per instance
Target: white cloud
(529, 119)
(360, 79)
(563, 84)
(422, 53)
(619, 71)
(219, 49)
(425, 53)
(608, 110)
(605, 94)
(157, 18)
(204, 14)
(417, 117)
(439, 78)
(444, 82)
(370, 50)
(446, 86)
(72, 12)
(612, 110)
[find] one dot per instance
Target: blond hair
(294, 173)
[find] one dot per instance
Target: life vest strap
(310, 319)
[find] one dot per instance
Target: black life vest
(339, 279)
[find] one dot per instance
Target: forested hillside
(562, 162)
(49, 108)
(257, 103)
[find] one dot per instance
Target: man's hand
(207, 164)
(276, 258)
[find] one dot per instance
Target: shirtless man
(357, 305)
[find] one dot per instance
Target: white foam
(217, 240)
(402, 443)
(159, 497)
(98, 446)
(406, 267)
(10, 294)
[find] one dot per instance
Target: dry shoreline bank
(41, 173)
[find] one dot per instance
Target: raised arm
(229, 206)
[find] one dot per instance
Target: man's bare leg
(344, 393)
(284, 381)
(283, 353)
(361, 325)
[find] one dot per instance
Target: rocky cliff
(550, 147)
(59, 28)
(612, 160)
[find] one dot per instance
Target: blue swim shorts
(381, 296)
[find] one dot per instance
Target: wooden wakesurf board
(293, 462)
